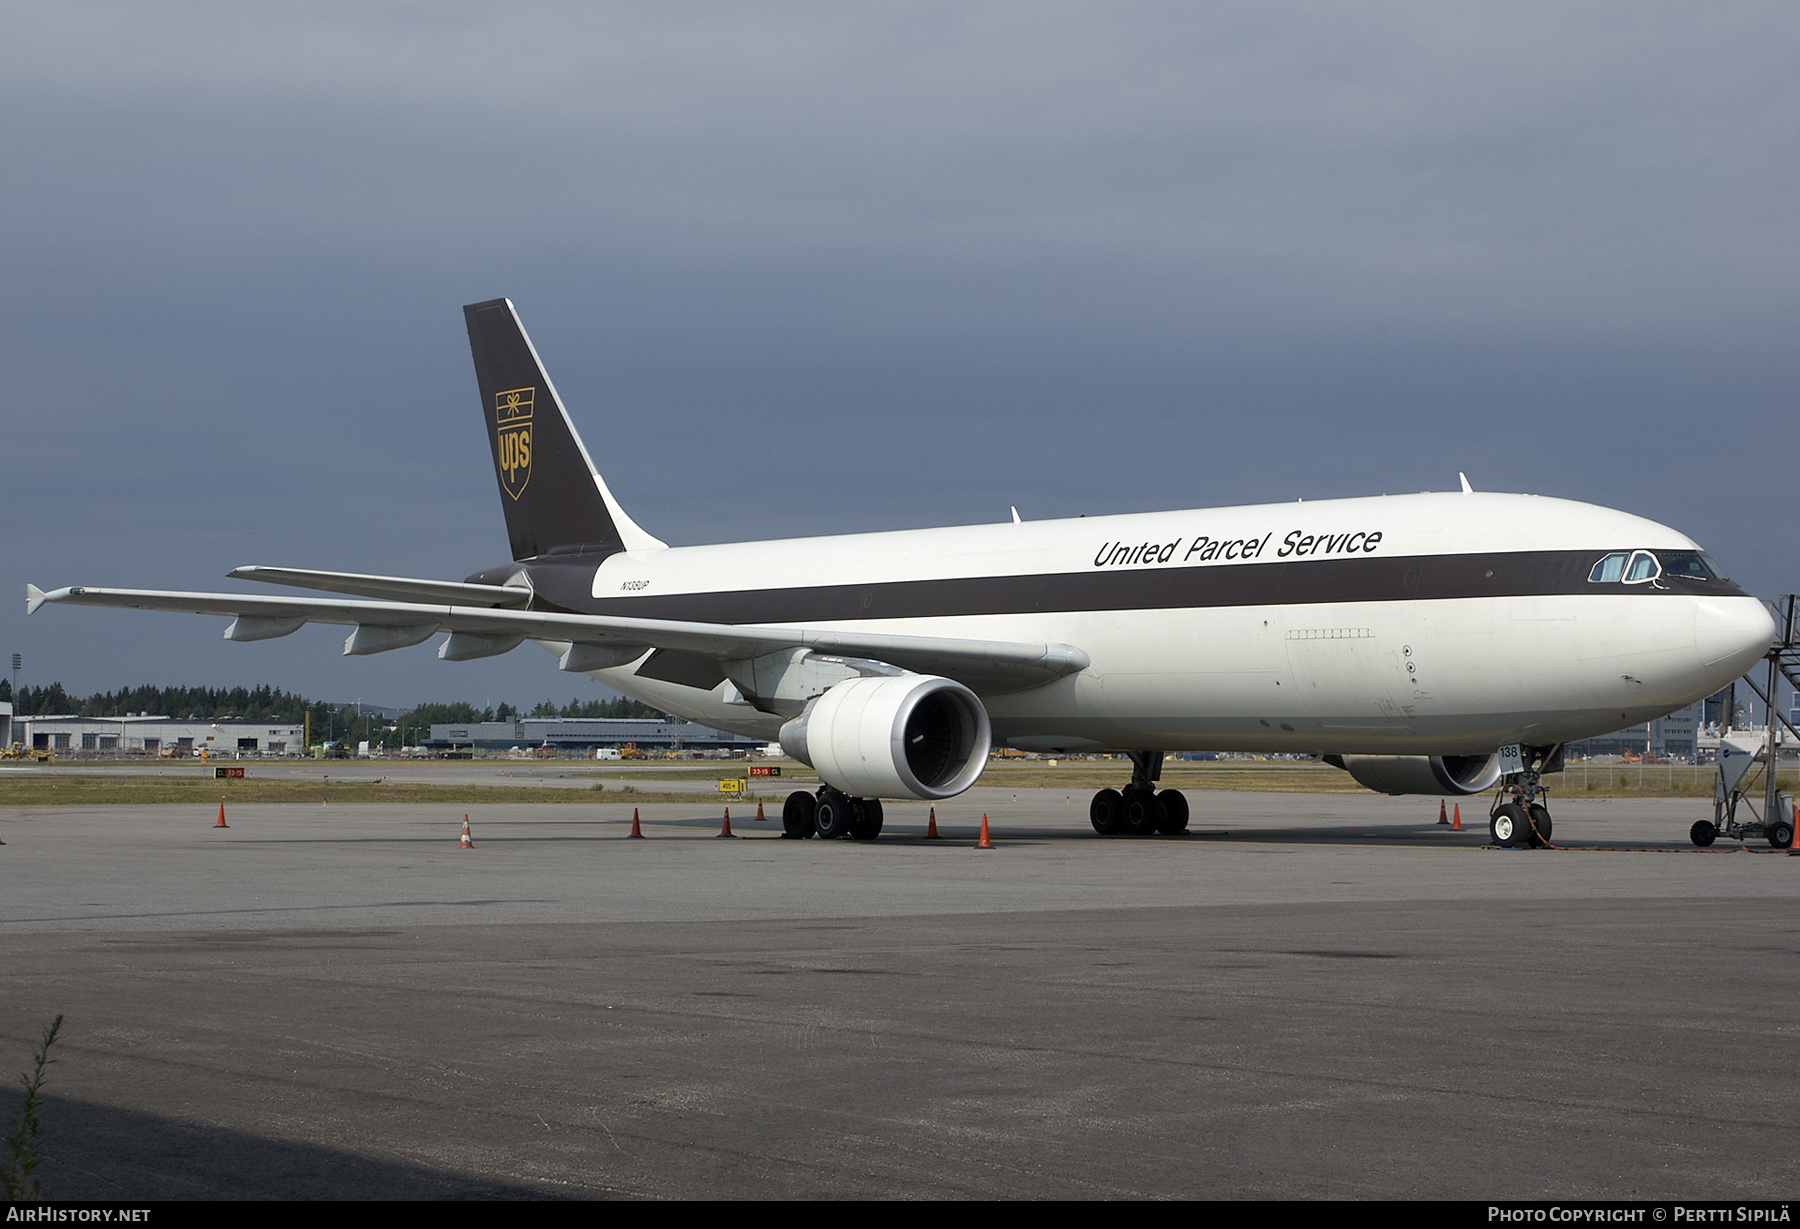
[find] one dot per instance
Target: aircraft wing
(986, 666)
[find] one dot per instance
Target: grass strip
(139, 791)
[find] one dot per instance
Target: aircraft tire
(797, 816)
(1143, 813)
(1781, 834)
(867, 824)
(1507, 826)
(1539, 831)
(1107, 812)
(833, 816)
(1174, 812)
(1703, 833)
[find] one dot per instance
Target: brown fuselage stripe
(565, 585)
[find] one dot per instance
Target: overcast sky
(817, 268)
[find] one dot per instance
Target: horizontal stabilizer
(391, 588)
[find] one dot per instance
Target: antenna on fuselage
(1464, 479)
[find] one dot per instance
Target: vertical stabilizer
(555, 500)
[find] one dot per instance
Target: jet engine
(1422, 774)
(895, 736)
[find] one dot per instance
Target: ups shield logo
(512, 433)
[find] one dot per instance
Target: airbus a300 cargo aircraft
(1424, 643)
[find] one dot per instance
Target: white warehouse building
(159, 736)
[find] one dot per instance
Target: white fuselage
(1377, 631)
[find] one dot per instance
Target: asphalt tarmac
(1308, 996)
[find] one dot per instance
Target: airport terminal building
(1673, 737)
(586, 734)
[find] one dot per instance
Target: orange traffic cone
(635, 830)
(984, 843)
(931, 832)
(759, 814)
(1456, 823)
(1443, 816)
(221, 823)
(726, 830)
(468, 842)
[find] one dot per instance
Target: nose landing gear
(1514, 825)
(1140, 808)
(1518, 819)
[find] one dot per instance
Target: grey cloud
(1080, 257)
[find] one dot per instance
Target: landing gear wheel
(1174, 812)
(1107, 812)
(1143, 813)
(1540, 826)
(1781, 834)
(1508, 827)
(1703, 833)
(797, 815)
(867, 824)
(834, 815)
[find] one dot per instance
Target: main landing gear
(830, 813)
(1140, 808)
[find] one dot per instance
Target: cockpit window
(1688, 565)
(1610, 569)
(1637, 566)
(1643, 566)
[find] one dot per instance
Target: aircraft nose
(1732, 632)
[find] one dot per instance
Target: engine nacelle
(1422, 774)
(897, 736)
